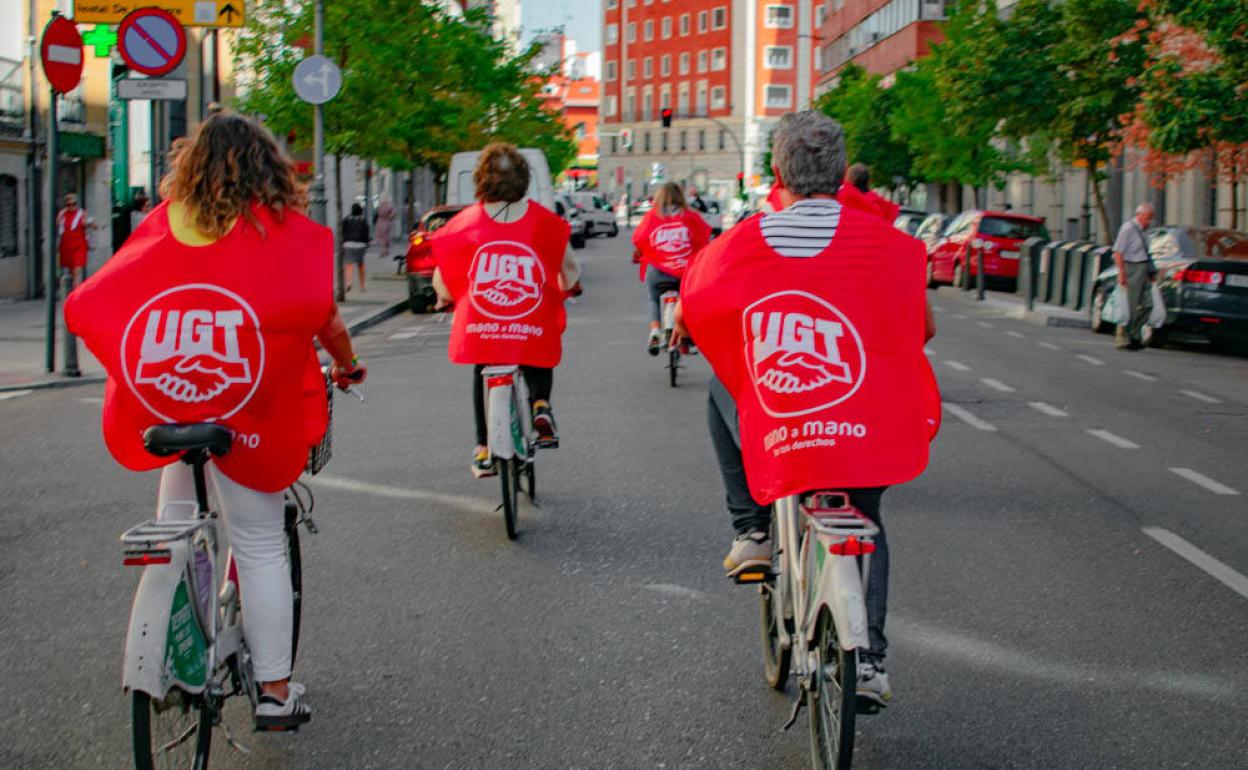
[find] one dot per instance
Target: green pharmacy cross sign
(102, 38)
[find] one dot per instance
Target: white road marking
(1050, 346)
(929, 351)
(470, 504)
(986, 324)
(1202, 480)
(960, 316)
(1091, 360)
(957, 367)
(1201, 396)
(93, 400)
(403, 335)
(1110, 438)
(997, 385)
(671, 589)
(14, 394)
(937, 309)
(1048, 409)
(969, 418)
(1139, 375)
(1228, 576)
(1016, 335)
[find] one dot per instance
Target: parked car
(564, 207)
(1202, 273)
(599, 215)
(931, 228)
(908, 220)
(994, 234)
(419, 259)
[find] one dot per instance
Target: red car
(995, 234)
(420, 258)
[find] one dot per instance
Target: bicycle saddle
(166, 440)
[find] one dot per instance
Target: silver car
(598, 213)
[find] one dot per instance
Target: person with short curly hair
(506, 264)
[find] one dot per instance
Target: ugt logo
(506, 280)
(672, 241)
(803, 354)
(193, 351)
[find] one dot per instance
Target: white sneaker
(753, 549)
(273, 714)
(874, 691)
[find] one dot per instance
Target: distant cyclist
(207, 314)
(856, 193)
(506, 264)
(821, 381)
(669, 236)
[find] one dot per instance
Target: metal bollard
(980, 278)
(70, 368)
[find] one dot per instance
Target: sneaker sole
(281, 724)
(480, 474)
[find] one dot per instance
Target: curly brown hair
(227, 164)
(502, 174)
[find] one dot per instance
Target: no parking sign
(151, 41)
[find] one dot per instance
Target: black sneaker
(544, 424)
(274, 714)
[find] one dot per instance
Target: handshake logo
(803, 354)
(672, 241)
(506, 280)
(194, 352)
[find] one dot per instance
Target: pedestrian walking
(383, 222)
(1136, 273)
(354, 244)
(72, 224)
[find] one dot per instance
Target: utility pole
(318, 133)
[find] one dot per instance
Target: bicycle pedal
(752, 576)
(547, 443)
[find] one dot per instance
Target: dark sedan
(1202, 273)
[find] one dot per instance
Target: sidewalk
(1013, 306)
(23, 328)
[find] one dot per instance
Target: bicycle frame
(508, 419)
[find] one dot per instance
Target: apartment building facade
(728, 69)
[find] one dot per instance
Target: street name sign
(152, 89)
(151, 41)
(189, 13)
(317, 79)
(61, 52)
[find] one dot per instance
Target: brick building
(880, 35)
(727, 68)
(574, 92)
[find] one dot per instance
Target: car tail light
(1207, 277)
(852, 546)
(418, 239)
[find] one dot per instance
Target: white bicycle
(511, 438)
(814, 616)
(668, 301)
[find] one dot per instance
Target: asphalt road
(1041, 615)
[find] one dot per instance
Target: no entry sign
(151, 41)
(61, 52)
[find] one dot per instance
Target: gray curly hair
(808, 150)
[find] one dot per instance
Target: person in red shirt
(669, 236)
(506, 265)
(72, 224)
(207, 314)
(856, 193)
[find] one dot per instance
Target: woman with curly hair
(506, 265)
(207, 314)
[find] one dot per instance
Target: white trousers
(254, 525)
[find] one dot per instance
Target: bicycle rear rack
(149, 542)
(832, 514)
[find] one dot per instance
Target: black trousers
(540, 382)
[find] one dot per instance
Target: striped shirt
(804, 229)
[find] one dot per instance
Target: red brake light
(1207, 277)
(852, 546)
(498, 382)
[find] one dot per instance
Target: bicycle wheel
(509, 477)
(673, 365)
(776, 655)
(296, 576)
(831, 700)
(172, 734)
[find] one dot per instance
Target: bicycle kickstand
(797, 707)
(229, 738)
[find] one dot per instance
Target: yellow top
(182, 225)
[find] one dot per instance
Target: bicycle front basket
(318, 456)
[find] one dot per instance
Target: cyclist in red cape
(207, 314)
(856, 193)
(506, 264)
(821, 379)
(669, 236)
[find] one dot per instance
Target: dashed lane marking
(469, 504)
(1111, 438)
(93, 400)
(957, 366)
(1201, 480)
(938, 309)
(14, 394)
(997, 385)
(1139, 375)
(1016, 335)
(968, 418)
(960, 316)
(1048, 409)
(403, 335)
(1050, 346)
(1212, 567)
(986, 324)
(929, 351)
(1201, 396)
(1090, 360)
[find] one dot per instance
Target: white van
(460, 189)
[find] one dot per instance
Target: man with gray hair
(1135, 275)
(771, 303)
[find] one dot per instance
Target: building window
(648, 30)
(665, 97)
(613, 4)
(779, 97)
(630, 69)
(665, 65)
(816, 58)
(613, 34)
(665, 30)
(684, 24)
(719, 18)
(723, 139)
(702, 61)
(630, 33)
(821, 15)
(703, 90)
(778, 57)
(630, 106)
(611, 72)
(719, 97)
(645, 141)
(684, 141)
(682, 100)
(778, 17)
(613, 148)
(8, 215)
(701, 139)
(609, 106)
(702, 21)
(719, 59)
(647, 68)
(684, 63)
(647, 104)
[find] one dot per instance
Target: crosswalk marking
(986, 324)
(1048, 409)
(1214, 568)
(969, 419)
(1202, 480)
(1016, 335)
(1050, 346)
(1111, 438)
(997, 385)
(1139, 375)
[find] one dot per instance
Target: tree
(863, 109)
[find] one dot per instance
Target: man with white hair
(1135, 275)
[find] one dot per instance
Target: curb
(64, 382)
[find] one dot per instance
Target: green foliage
(863, 108)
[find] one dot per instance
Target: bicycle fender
(498, 418)
(840, 592)
(148, 663)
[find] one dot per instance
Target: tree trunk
(1100, 203)
(341, 293)
(1234, 192)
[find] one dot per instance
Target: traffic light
(666, 115)
(741, 183)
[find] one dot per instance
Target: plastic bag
(1157, 316)
(1116, 310)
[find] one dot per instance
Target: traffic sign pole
(53, 153)
(319, 200)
